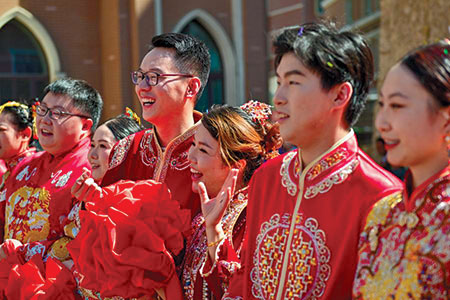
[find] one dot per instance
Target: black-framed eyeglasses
(151, 78)
(55, 113)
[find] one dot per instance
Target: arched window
(214, 90)
(23, 68)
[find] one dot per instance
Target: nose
(381, 121)
(93, 153)
(191, 155)
(279, 98)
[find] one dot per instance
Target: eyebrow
(204, 144)
(291, 72)
(396, 94)
(157, 70)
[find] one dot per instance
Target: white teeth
(45, 131)
(195, 172)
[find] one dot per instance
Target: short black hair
(122, 126)
(335, 56)
(84, 97)
(430, 65)
(191, 55)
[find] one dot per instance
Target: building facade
(102, 41)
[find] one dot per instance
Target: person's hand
(85, 188)
(11, 244)
(214, 209)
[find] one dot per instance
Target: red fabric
(40, 186)
(139, 157)
(9, 167)
(303, 224)
(198, 269)
(126, 240)
(38, 281)
(405, 244)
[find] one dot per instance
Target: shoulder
(375, 179)
(121, 149)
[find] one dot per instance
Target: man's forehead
(158, 58)
(53, 100)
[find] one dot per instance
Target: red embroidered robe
(404, 251)
(140, 156)
(38, 201)
(303, 224)
(10, 166)
(201, 279)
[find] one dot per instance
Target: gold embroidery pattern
(286, 180)
(336, 178)
(406, 254)
(121, 151)
(27, 213)
(308, 268)
(327, 162)
(196, 250)
(148, 156)
(381, 210)
(59, 250)
(161, 176)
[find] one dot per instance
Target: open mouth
(390, 144)
(46, 132)
(195, 175)
(279, 116)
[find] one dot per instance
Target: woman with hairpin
(404, 251)
(16, 142)
(229, 145)
(106, 136)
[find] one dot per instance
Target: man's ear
(193, 87)
(344, 92)
(87, 125)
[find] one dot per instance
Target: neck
(170, 130)
(322, 144)
(23, 149)
(423, 171)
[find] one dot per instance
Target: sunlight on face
(206, 162)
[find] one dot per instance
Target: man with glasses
(38, 192)
(170, 79)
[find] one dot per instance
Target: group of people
(203, 206)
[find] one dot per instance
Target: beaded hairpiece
(131, 114)
(258, 111)
(14, 104)
(26, 108)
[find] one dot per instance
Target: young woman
(405, 247)
(106, 136)
(229, 145)
(16, 134)
(16, 140)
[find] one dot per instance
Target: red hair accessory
(258, 111)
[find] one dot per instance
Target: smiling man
(306, 208)
(170, 79)
(38, 191)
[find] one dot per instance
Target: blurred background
(102, 41)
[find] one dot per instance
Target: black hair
(22, 117)
(335, 56)
(84, 97)
(430, 65)
(122, 126)
(191, 55)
